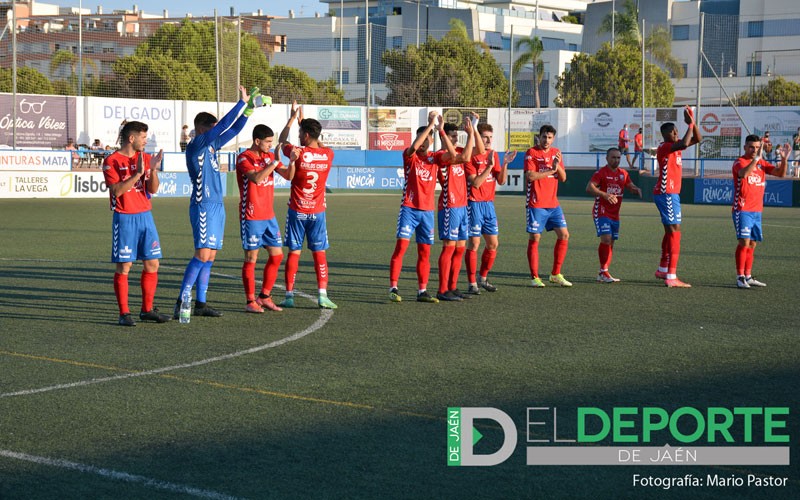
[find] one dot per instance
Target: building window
(345, 42)
(345, 77)
(108, 50)
(754, 71)
(755, 29)
(680, 32)
(397, 42)
(573, 47)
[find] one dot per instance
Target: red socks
(674, 251)
(423, 264)
(396, 264)
(604, 251)
(664, 262)
(249, 280)
(559, 253)
(533, 258)
(741, 259)
(271, 273)
(472, 265)
(321, 268)
(487, 261)
(445, 262)
(149, 282)
(121, 291)
(290, 272)
(455, 266)
(748, 263)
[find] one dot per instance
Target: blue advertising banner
(720, 192)
(370, 178)
(177, 184)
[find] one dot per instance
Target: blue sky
(204, 7)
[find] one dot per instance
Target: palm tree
(66, 57)
(658, 42)
(531, 49)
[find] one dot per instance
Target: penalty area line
(117, 475)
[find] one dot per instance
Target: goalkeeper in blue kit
(206, 209)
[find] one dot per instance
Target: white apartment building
(324, 47)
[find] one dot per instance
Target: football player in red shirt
(255, 169)
(608, 185)
(132, 177)
(309, 166)
(749, 181)
(544, 169)
(666, 195)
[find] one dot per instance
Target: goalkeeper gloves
(251, 103)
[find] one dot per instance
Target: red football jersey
(748, 192)
(419, 186)
(117, 168)
(255, 200)
(542, 193)
(611, 182)
(670, 169)
(623, 140)
(453, 179)
(476, 166)
(308, 184)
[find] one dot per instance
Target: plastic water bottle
(186, 307)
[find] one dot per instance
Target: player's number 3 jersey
(310, 176)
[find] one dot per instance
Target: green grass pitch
(356, 407)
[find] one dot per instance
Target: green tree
(161, 77)
(777, 92)
(69, 85)
(530, 52)
(453, 71)
(285, 84)
(607, 80)
(658, 43)
(29, 81)
(194, 43)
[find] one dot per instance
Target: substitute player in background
(608, 185)
(132, 176)
(624, 143)
(416, 211)
(749, 180)
(308, 171)
(543, 171)
(255, 169)
(667, 195)
(206, 209)
(484, 172)
(452, 209)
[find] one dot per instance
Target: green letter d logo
(470, 436)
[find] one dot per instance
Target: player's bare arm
(480, 148)
(466, 154)
(507, 159)
(633, 188)
(122, 187)
(260, 175)
(558, 168)
(692, 135)
(296, 111)
(477, 180)
(422, 136)
(594, 190)
(754, 150)
(783, 165)
(152, 182)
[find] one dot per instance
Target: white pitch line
(119, 476)
(324, 316)
(778, 225)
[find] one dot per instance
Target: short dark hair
(752, 138)
(311, 127)
(609, 150)
(449, 127)
(484, 127)
(422, 129)
(667, 128)
(132, 127)
(547, 129)
(261, 132)
(204, 119)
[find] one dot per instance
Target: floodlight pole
(641, 159)
(510, 88)
(613, 16)
(80, 48)
(14, 75)
(699, 90)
